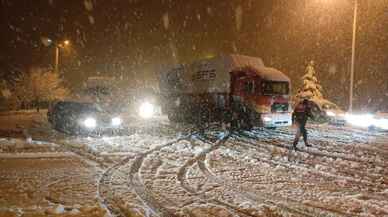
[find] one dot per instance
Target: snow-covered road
(166, 170)
(42, 184)
(255, 174)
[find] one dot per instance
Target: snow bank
(25, 146)
(36, 155)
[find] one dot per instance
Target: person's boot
(307, 144)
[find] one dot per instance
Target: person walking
(300, 116)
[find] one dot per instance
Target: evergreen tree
(311, 88)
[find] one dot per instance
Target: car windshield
(81, 107)
(275, 88)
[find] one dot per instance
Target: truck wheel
(246, 124)
(240, 121)
(245, 120)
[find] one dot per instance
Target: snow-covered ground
(158, 169)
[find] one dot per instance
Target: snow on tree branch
(37, 86)
(311, 88)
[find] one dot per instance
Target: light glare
(267, 119)
(90, 123)
(330, 113)
(116, 121)
(365, 120)
(146, 110)
(382, 123)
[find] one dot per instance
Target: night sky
(136, 39)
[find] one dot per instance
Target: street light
(48, 42)
(57, 47)
(353, 54)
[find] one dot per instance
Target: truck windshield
(330, 106)
(275, 88)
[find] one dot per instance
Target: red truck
(229, 88)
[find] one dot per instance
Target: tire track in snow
(106, 181)
(315, 205)
(91, 159)
(305, 166)
(232, 187)
(243, 136)
(317, 135)
(202, 195)
(283, 203)
(135, 182)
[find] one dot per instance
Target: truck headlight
(267, 119)
(330, 113)
(146, 110)
(116, 121)
(90, 122)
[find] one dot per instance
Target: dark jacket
(302, 112)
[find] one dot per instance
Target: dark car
(334, 114)
(82, 118)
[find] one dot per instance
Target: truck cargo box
(213, 75)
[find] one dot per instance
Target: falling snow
(157, 167)
(91, 19)
(239, 19)
(166, 21)
(88, 5)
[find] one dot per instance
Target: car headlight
(330, 113)
(382, 123)
(90, 122)
(365, 120)
(116, 121)
(146, 110)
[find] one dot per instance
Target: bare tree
(37, 86)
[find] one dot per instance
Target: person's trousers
(301, 131)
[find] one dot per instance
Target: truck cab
(266, 99)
